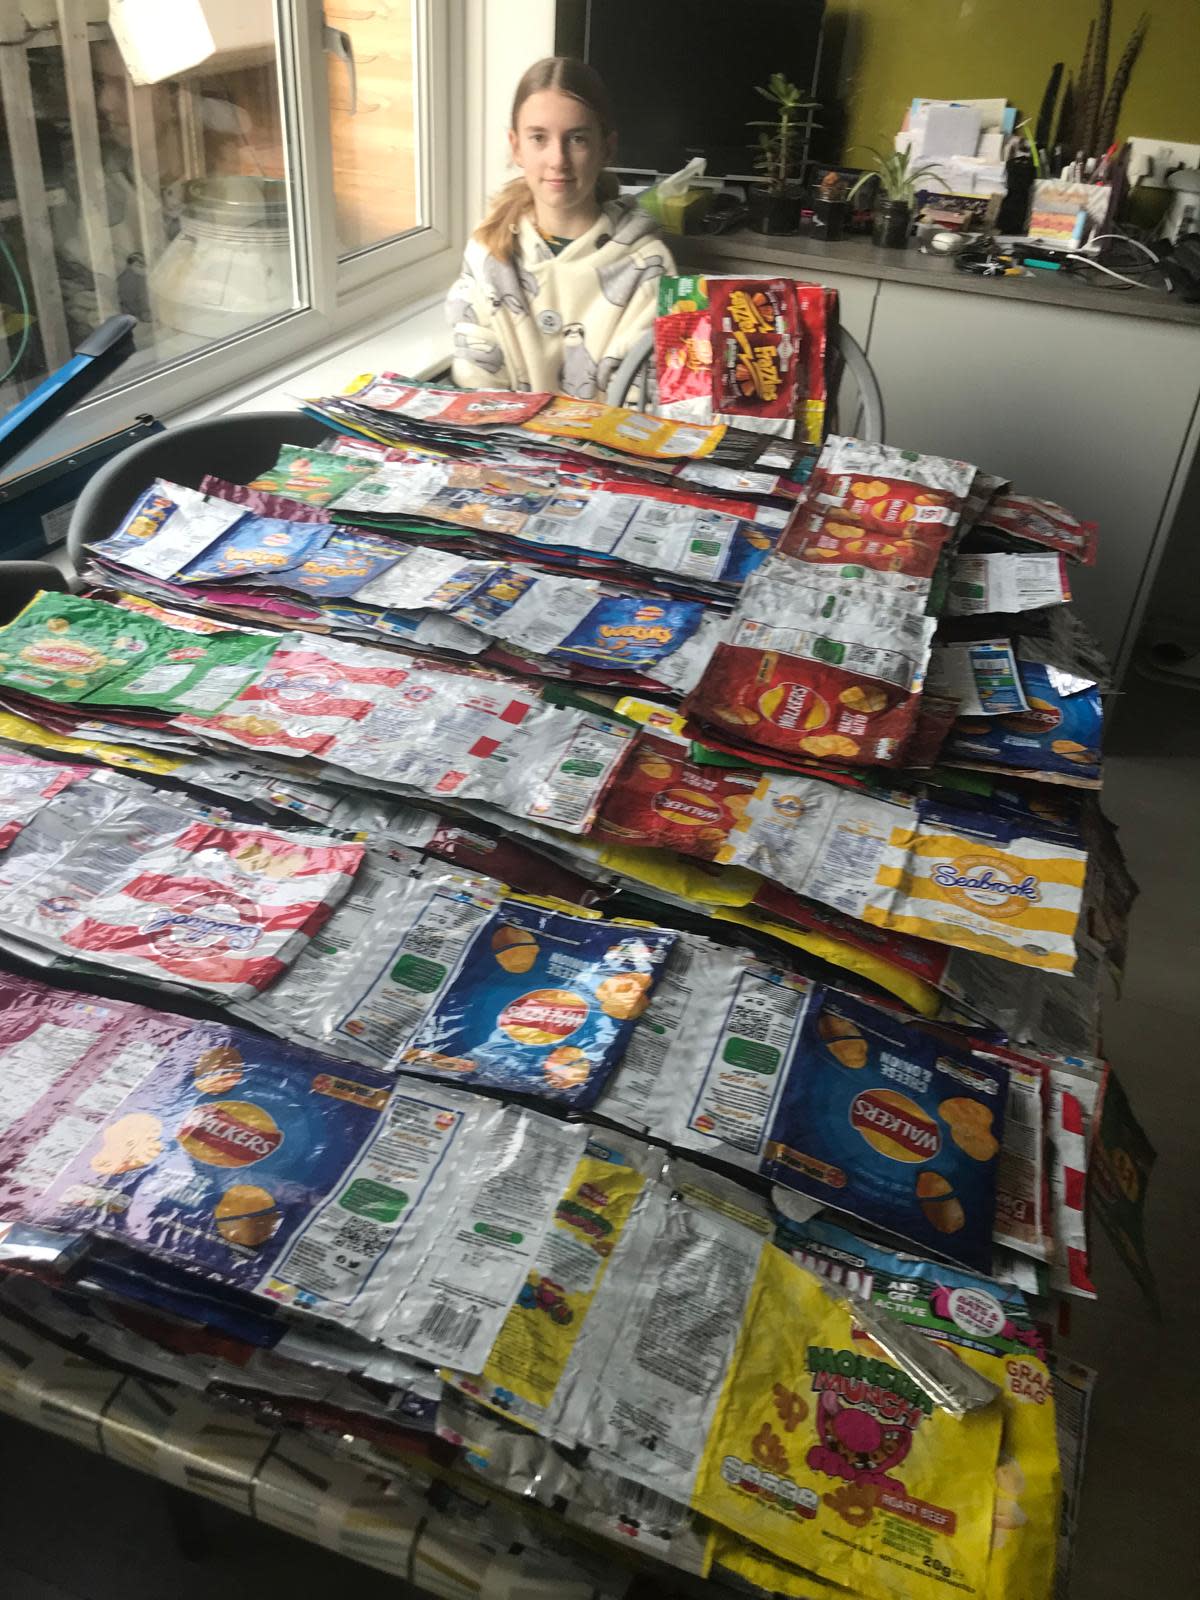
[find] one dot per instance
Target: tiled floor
(75, 1528)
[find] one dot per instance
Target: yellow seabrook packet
(1020, 902)
(827, 1455)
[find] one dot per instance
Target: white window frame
(380, 281)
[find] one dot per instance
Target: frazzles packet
(543, 1004)
(756, 350)
(881, 1119)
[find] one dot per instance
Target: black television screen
(682, 73)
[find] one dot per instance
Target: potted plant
(830, 208)
(775, 203)
(898, 183)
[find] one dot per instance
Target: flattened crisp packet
(543, 1004)
(825, 1454)
(989, 1326)
(882, 1120)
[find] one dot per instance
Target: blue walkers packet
(218, 1158)
(882, 1120)
(631, 631)
(1058, 734)
(257, 546)
(543, 1005)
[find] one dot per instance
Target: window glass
(374, 118)
(164, 199)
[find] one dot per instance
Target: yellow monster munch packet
(826, 1455)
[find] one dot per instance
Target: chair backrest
(237, 447)
(865, 422)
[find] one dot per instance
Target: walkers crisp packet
(543, 1004)
(1060, 733)
(883, 1121)
(217, 1159)
(825, 1454)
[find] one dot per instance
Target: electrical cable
(1125, 238)
(24, 299)
(1134, 283)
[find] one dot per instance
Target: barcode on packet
(448, 1328)
(749, 1023)
(358, 1237)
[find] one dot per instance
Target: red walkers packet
(668, 802)
(803, 707)
(756, 348)
(1042, 522)
(835, 538)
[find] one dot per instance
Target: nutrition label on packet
(386, 1198)
(412, 975)
(747, 1067)
(453, 1310)
(650, 1407)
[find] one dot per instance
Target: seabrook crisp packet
(26, 785)
(996, 893)
(543, 1004)
(823, 1453)
(881, 1120)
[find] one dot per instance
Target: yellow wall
(895, 49)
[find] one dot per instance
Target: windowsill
(416, 343)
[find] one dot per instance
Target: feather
(1106, 130)
(1083, 86)
(1046, 114)
(1065, 138)
(1099, 76)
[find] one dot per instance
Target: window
(244, 177)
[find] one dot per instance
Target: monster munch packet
(825, 1454)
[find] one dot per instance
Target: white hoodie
(557, 322)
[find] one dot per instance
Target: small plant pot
(773, 213)
(890, 224)
(829, 219)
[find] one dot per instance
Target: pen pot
(890, 223)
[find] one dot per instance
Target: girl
(562, 276)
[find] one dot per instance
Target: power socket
(1154, 158)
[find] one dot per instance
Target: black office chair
(236, 447)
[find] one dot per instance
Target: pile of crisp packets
(582, 933)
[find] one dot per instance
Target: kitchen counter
(1086, 290)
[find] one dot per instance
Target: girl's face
(559, 146)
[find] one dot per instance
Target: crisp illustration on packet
(543, 1004)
